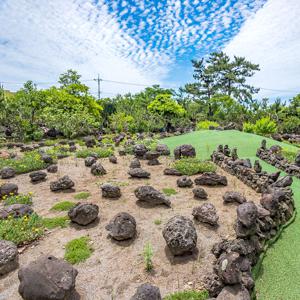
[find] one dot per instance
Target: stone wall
(255, 226)
(275, 158)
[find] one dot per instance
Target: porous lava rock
(150, 195)
(147, 291)
(7, 172)
(37, 176)
(83, 213)
(8, 257)
(97, 169)
(184, 151)
(200, 193)
(63, 183)
(233, 197)
(110, 191)
(211, 179)
(138, 173)
(206, 213)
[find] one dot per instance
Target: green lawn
(280, 276)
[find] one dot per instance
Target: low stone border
(238, 261)
(273, 157)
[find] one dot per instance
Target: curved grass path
(280, 273)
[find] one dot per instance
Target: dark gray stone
(113, 159)
(37, 176)
(139, 173)
(8, 172)
(63, 183)
(184, 181)
(172, 172)
(52, 168)
(147, 291)
(15, 211)
(184, 151)
(89, 161)
(232, 196)
(163, 149)
(8, 257)
(110, 191)
(206, 213)
(150, 195)
(211, 179)
(97, 169)
(247, 214)
(200, 193)
(47, 159)
(234, 292)
(83, 213)
(8, 189)
(135, 163)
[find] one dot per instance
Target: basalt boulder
(47, 159)
(113, 159)
(150, 195)
(234, 292)
(97, 169)
(8, 257)
(135, 163)
(15, 211)
(172, 172)
(180, 235)
(89, 161)
(63, 183)
(163, 149)
(140, 150)
(200, 193)
(8, 189)
(233, 197)
(211, 179)
(184, 151)
(247, 214)
(89, 141)
(147, 291)
(37, 176)
(47, 278)
(139, 173)
(83, 213)
(110, 191)
(206, 213)
(7, 172)
(184, 181)
(52, 168)
(122, 227)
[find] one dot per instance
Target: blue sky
(147, 42)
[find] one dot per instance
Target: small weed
(18, 199)
(148, 254)
(21, 230)
(78, 250)
(63, 206)
(192, 166)
(157, 221)
(51, 223)
(169, 191)
(99, 152)
(82, 195)
(188, 295)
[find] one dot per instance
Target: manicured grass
(192, 166)
(21, 230)
(82, 195)
(280, 274)
(78, 250)
(63, 206)
(169, 191)
(51, 223)
(188, 295)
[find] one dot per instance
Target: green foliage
(100, 152)
(169, 191)
(82, 195)
(289, 154)
(63, 206)
(157, 221)
(21, 230)
(30, 161)
(192, 166)
(18, 199)
(188, 295)
(148, 254)
(248, 127)
(121, 122)
(78, 250)
(290, 125)
(206, 124)
(51, 223)
(265, 126)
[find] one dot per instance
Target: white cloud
(271, 38)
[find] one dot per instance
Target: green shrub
(148, 254)
(21, 230)
(82, 195)
(63, 206)
(169, 191)
(248, 127)
(290, 155)
(265, 126)
(290, 125)
(78, 250)
(100, 152)
(188, 295)
(206, 124)
(192, 166)
(51, 223)
(18, 199)
(31, 161)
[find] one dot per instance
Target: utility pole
(99, 87)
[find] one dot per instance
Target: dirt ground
(115, 269)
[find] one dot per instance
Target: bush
(21, 230)
(265, 126)
(206, 124)
(291, 125)
(31, 161)
(188, 295)
(78, 250)
(63, 206)
(18, 199)
(192, 166)
(248, 127)
(100, 152)
(289, 155)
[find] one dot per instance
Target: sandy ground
(115, 269)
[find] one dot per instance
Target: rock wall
(255, 226)
(275, 158)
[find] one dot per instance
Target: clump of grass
(56, 151)
(169, 191)
(30, 161)
(51, 223)
(78, 250)
(18, 199)
(99, 152)
(82, 195)
(188, 295)
(63, 206)
(157, 221)
(21, 230)
(192, 166)
(51, 142)
(289, 155)
(148, 254)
